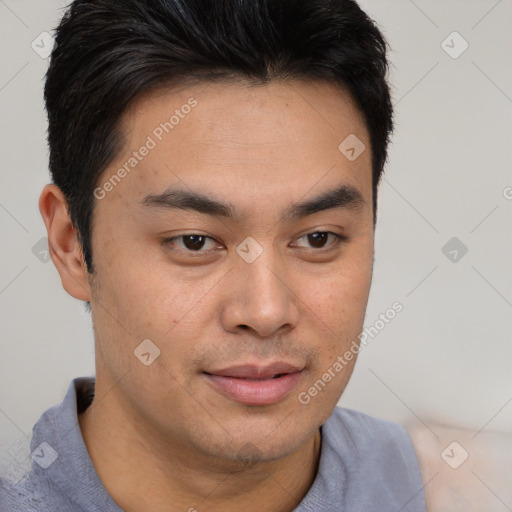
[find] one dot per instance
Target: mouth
(255, 385)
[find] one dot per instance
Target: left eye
(192, 242)
(318, 239)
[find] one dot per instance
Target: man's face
(228, 312)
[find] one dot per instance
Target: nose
(260, 298)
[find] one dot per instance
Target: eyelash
(339, 239)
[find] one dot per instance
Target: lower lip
(255, 392)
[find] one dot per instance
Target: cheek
(335, 307)
(139, 288)
(151, 301)
(339, 298)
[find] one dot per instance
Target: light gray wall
(446, 358)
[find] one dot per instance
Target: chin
(250, 449)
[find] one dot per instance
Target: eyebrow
(344, 196)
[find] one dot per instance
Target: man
(215, 169)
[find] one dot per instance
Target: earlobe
(64, 246)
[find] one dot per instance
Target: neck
(160, 475)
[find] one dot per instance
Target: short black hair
(110, 52)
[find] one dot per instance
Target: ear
(63, 243)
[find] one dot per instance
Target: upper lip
(254, 371)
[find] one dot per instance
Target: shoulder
(366, 433)
(28, 486)
(31, 494)
(376, 461)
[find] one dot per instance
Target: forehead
(229, 110)
(242, 141)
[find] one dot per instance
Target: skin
(160, 436)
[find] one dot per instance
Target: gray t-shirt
(366, 465)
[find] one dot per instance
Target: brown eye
(192, 243)
(320, 239)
